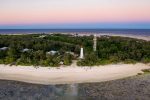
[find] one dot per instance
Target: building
(95, 43)
(52, 52)
(25, 50)
(81, 53)
(61, 62)
(3, 48)
(42, 36)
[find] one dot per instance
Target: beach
(70, 74)
(73, 73)
(141, 37)
(147, 38)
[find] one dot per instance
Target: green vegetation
(146, 71)
(118, 49)
(33, 50)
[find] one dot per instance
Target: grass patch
(130, 61)
(146, 71)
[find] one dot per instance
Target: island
(60, 49)
(71, 58)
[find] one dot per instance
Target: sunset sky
(74, 14)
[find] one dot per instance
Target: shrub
(129, 61)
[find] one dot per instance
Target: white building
(25, 50)
(95, 42)
(42, 36)
(81, 53)
(52, 52)
(4, 48)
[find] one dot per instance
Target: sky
(24, 14)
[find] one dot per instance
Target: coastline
(73, 73)
(70, 74)
(142, 37)
(147, 38)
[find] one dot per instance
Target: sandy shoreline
(67, 75)
(142, 37)
(147, 38)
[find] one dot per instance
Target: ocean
(142, 32)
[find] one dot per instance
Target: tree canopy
(110, 49)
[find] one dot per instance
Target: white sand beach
(70, 74)
(142, 37)
(147, 38)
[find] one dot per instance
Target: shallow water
(24, 91)
(134, 88)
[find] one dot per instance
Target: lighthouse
(95, 42)
(81, 53)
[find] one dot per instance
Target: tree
(67, 59)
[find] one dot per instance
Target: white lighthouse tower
(81, 53)
(95, 42)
